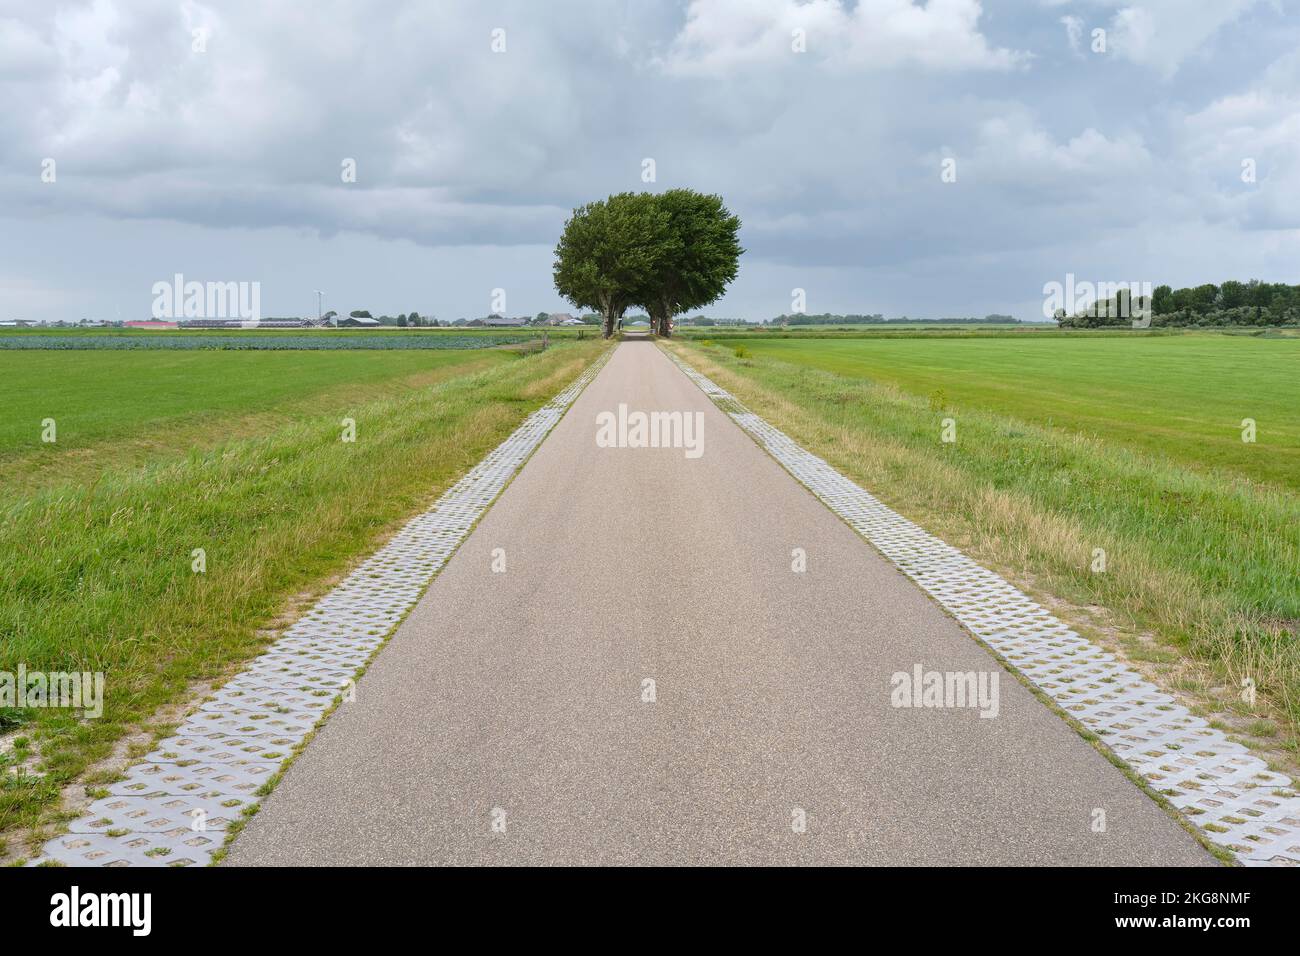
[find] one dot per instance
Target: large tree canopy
(700, 257)
(665, 252)
(608, 251)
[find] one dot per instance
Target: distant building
(560, 318)
(150, 324)
(501, 321)
(358, 322)
(210, 323)
(193, 324)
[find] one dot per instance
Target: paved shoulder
(623, 664)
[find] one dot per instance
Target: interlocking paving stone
(210, 770)
(1220, 785)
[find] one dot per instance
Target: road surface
(505, 721)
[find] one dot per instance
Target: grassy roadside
(97, 576)
(128, 409)
(1183, 396)
(1207, 563)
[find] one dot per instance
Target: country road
(515, 697)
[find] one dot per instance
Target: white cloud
(1260, 126)
(721, 35)
(1163, 34)
(1073, 31)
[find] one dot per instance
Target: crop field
(252, 343)
(240, 454)
(1069, 447)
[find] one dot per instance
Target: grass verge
(99, 576)
(1207, 562)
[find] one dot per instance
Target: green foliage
(666, 253)
(609, 250)
(1234, 303)
(699, 255)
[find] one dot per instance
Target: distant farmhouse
(501, 321)
(358, 322)
(562, 318)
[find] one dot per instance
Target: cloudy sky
(211, 140)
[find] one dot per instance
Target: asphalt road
(518, 696)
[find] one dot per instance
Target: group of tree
(1234, 303)
(664, 252)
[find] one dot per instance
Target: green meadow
(159, 453)
(1067, 445)
(108, 406)
(1183, 397)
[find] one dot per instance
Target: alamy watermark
(73, 690)
(179, 299)
(946, 689)
(1114, 300)
(626, 429)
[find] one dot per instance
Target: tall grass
(97, 577)
(1208, 561)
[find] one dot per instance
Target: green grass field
(238, 453)
(1183, 397)
(115, 394)
(1068, 444)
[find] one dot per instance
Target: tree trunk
(609, 324)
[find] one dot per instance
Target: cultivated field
(239, 453)
(1065, 445)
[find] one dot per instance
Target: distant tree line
(828, 318)
(1234, 303)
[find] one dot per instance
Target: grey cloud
(832, 158)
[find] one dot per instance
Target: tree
(698, 257)
(1162, 300)
(608, 252)
(1232, 294)
(360, 314)
(401, 321)
(1201, 299)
